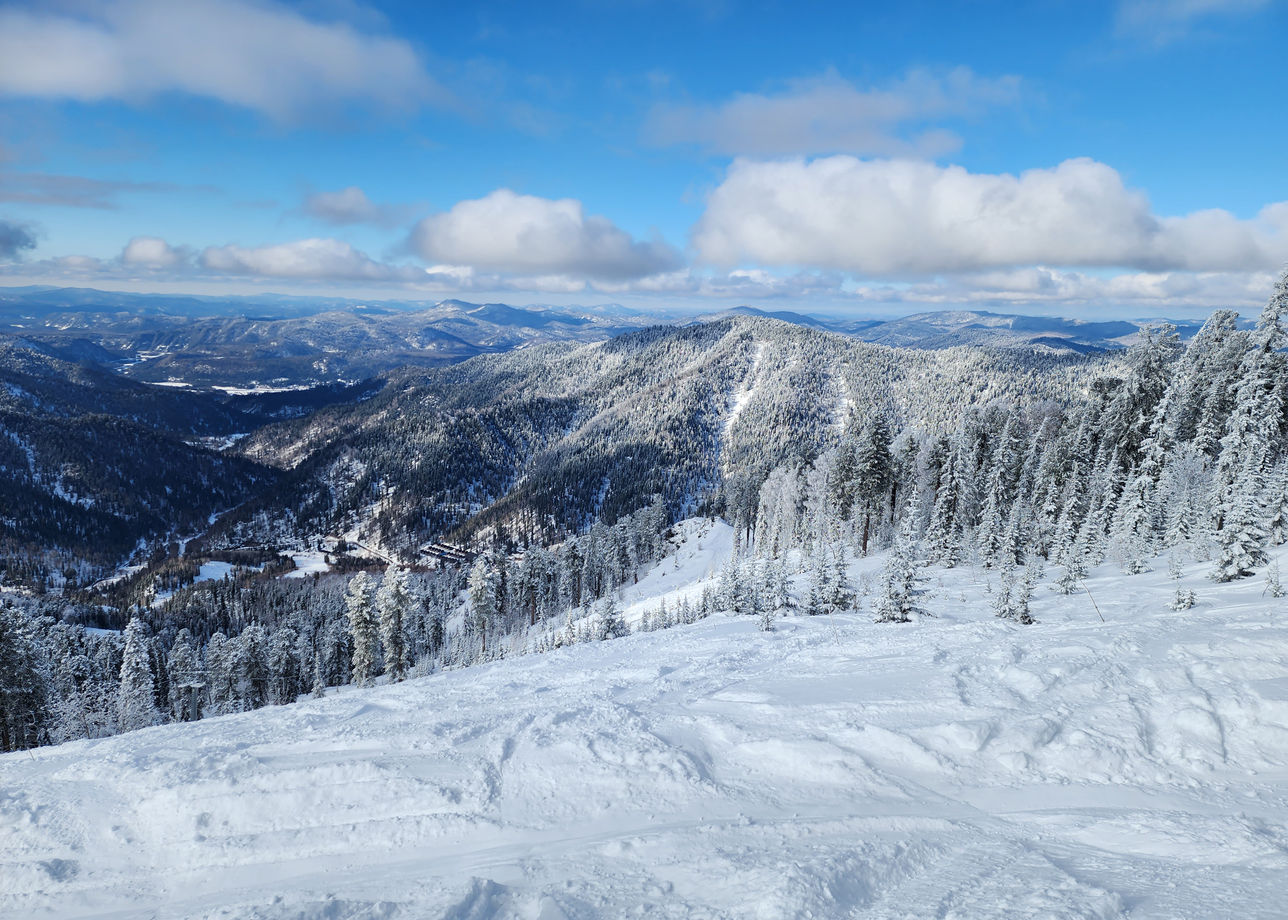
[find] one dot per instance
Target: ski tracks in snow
(957, 768)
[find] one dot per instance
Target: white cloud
(527, 235)
(310, 259)
(1026, 288)
(349, 206)
(1162, 21)
(903, 218)
(151, 252)
(829, 114)
(258, 55)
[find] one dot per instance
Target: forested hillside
(94, 467)
(513, 501)
(542, 441)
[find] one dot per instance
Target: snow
(844, 405)
(121, 574)
(257, 389)
(703, 545)
(748, 389)
(308, 563)
(957, 767)
(223, 442)
(214, 571)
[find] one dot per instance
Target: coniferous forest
(495, 507)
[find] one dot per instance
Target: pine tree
(362, 628)
(186, 679)
(611, 624)
(252, 667)
(1253, 428)
(319, 683)
(23, 689)
(874, 473)
(486, 599)
(779, 597)
(993, 521)
(220, 675)
(1277, 522)
(840, 597)
(1066, 528)
(730, 593)
(392, 604)
(1133, 525)
(135, 702)
(286, 675)
(944, 535)
(1274, 587)
(898, 601)
(1241, 541)
(1013, 596)
(1185, 598)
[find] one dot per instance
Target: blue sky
(1118, 158)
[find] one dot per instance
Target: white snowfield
(956, 767)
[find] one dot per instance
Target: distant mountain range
(252, 343)
(948, 328)
(275, 342)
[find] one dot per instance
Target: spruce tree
(874, 472)
(1274, 587)
(611, 624)
(944, 534)
(1241, 541)
(186, 679)
(392, 603)
(23, 689)
(486, 600)
(135, 702)
(362, 628)
(898, 600)
(1277, 519)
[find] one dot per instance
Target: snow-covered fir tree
(392, 605)
(136, 699)
(363, 629)
(898, 599)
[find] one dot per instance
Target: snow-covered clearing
(748, 389)
(957, 767)
(259, 389)
(308, 563)
(703, 546)
(214, 571)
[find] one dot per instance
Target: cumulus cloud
(527, 235)
(262, 55)
(310, 259)
(910, 218)
(15, 239)
(151, 252)
(829, 114)
(348, 206)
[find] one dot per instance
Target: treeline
(235, 645)
(1185, 453)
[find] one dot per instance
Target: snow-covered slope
(958, 767)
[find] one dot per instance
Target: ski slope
(956, 767)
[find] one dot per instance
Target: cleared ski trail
(958, 767)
